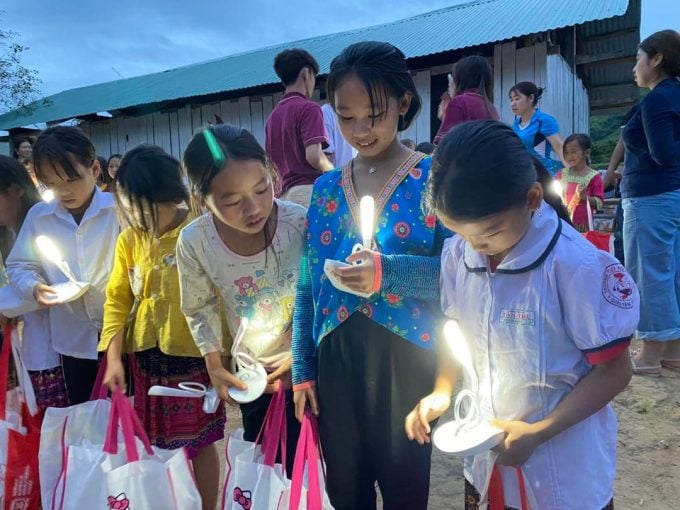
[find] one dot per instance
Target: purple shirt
(294, 124)
(466, 106)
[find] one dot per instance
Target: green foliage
(19, 85)
(604, 131)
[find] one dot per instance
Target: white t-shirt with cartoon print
(260, 287)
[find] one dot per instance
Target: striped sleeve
(303, 348)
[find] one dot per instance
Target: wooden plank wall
(565, 97)
(173, 130)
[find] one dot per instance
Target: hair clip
(215, 150)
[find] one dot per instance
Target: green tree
(19, 86)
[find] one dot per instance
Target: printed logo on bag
(243, 498)
(119, 502)
(518, 317)
(617, 287)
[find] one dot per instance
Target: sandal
(651, 370)
(671, 364)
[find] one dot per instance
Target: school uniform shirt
(260, 287)
(535, 135)
(554, 307)
(409, 241)
(36, 349)
(145, 281)
(88, 249)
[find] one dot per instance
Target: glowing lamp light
(460, 350)
(52, 253)
(557, 188)
(47, 195)
(367, 213)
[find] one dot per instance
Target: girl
(17, 195)
(243, 254)
(103, 179)
(579, 181)
(112, 165)
(152, 201)
(538, 131)
(471, 87)
(548, 318)
(369, 358)
(82, 223)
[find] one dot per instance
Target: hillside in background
(604, 131)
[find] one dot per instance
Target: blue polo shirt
(534, 137)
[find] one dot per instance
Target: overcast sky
(80, 42)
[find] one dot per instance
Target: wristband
(377, 275)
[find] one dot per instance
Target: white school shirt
(260, 287)
(342, 151)
(35, 348)
(88, 249)
(554, 303)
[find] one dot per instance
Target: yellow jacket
(145, 272)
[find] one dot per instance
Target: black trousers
(369, 379)
(253, 415)
(79, 375)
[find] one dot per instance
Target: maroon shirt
(466, 106)
(294, 124)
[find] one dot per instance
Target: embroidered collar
(530, 252)
(385, 194)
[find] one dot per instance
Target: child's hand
(302, 398)
(222, 380)
(114, 377)
(280, 376)
(521, 439)
(430, 408)
(359, 278)
(44, 294)
(582, 195)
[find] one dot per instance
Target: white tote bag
(308, 483)
(80, 425)
(126, 474)
(254, 481)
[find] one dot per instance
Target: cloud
(81, 42)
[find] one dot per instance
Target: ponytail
(549, 195)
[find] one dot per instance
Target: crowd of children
(175, 272)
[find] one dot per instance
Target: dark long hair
(13, 173)
(203, 160)
(148, 175)
(61, 147)
(481, 168)
(382, 69)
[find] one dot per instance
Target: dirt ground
(649, 450)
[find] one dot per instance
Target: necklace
(372, 170)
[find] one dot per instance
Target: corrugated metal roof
(456, 27)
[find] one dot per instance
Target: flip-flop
(671, 364)
(651, 370)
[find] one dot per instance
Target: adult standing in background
(470, 87)
(23, 150)
(294, 133)
(339, 152)
(538, 130)
(651, 202)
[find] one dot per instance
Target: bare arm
(556, 143)
(614, 162)
(315, 156)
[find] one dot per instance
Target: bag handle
(99, 391)
(4, 367)
(122, 414)
(496, 493)
(274, 430)
(25, 384)
(307, 454)
(591, 226)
